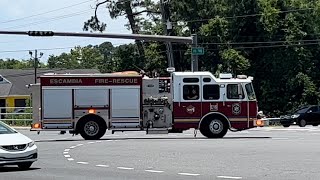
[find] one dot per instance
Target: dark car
(307, 115)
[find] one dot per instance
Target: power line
(49, 20)
(252, 15)
(18, 19)
(48, 49)
(43, 49)
(260, 42)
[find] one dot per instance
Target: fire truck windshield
(250, 91)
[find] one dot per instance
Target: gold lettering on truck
(65, 81)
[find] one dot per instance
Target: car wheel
(302, 123)
(286, 125)
(25, 165)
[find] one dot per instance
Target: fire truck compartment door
(57, 108)
(125, 107)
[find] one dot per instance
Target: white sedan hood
(13, 139)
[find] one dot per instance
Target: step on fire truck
(90, 104)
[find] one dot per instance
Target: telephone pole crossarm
(144, 37)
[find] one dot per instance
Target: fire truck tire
(214, 127)
(92, 128)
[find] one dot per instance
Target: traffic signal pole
(189, 40)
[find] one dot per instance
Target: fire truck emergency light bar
(178, 39)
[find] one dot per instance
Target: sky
(57, 15)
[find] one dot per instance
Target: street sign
(197, 51)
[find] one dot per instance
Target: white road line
(80, 145)
(98, 141)
(72, 147)
(280, 138)
(82, 162)
(188, 174)
(101, 165)
(66, 150)
(91, 142)
(229, 177)
(70, 159)
(126, 168)
(154, 171)
(67, 156)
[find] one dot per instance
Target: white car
(16, 148)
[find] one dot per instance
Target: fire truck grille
(20, 147)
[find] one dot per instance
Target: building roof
(19, 78)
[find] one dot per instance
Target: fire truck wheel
(92, 129)
(214, 127)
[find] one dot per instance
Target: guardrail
(16, 115)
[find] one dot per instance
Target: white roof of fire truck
(223, 77)
(115, 74)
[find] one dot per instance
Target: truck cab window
(233, 92)
(191, 92)
(211, 92)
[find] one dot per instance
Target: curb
(21, 128)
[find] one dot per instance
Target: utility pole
(167, 25)
(194, 58)
(35, 63)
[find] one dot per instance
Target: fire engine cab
(90, 104)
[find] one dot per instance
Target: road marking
(126, 168)
(66, 150)
(70, 159)
(80, 145)
(72, 147)
(189, 174)
(154, 171)
(280, 138)
(82, 162)
(101, 165)
(91, 142)
(229, 177)
(98, 141)
(67, 156)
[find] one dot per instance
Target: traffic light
(40, 33)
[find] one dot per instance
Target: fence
(16, 116)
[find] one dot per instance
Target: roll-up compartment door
(57, 108)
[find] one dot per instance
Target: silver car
(16, 148)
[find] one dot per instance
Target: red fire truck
(90, 104)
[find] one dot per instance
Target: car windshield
(250, 92)
(302, 110)
(4, 129)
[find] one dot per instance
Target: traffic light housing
(40, 33)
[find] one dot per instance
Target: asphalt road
(264, 153)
